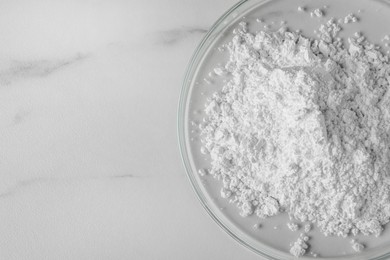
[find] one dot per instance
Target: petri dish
(272, 240)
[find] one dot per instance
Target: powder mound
(302, 127)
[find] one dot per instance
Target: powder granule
(293, 226)
(307, 228)
(257, 226)
(303, 127)
(318, 12)
(358, 247)
(350, 18)
(300, 246)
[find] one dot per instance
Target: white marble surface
(89, 161)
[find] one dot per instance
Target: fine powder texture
(302, 126)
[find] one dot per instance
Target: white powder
(350, 18)
(259, 20)
(302, 127)
(257, 226)
(220, 71)
(300, 246)
(307, 228)
(318, 13)
(293, 226)
(358, 247)
(202, 172)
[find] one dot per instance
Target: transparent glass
(228, 19)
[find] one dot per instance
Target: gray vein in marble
(20, 185)
(174, 36)
(20, 117)
(124, 176)
(39, 68)
(23, 184)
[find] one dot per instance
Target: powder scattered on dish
(302, 126)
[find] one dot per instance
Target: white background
(89, 161)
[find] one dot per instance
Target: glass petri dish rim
(197, 56)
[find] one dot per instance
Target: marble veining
(20, 116)
(89, 161)
(21, 185)
(37, 68)
(125, 176)
(173, 36)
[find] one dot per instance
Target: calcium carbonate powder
(302, 126)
